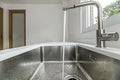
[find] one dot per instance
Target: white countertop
(111, 52)
(9, 53)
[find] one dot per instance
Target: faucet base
(99, 42)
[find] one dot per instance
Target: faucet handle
(110, 36)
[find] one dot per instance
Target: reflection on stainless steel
(110, 37)
(73, 69)
(70, 53)
(52, 67)
(96, 64)
(20, 67)
(52, 53)
(36, 71)
(84, 72)
(49, 71)
(80, 62)
(53, 71)
(72, 77)
(29, 64)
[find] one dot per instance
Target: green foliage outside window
(112, 9)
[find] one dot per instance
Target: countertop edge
(9, 53)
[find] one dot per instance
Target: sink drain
(72, 77)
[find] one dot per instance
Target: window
(89, 19)
(86, 17)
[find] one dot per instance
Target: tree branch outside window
(112, 9)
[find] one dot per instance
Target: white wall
(44, 22)
(73, 22)
(74, 34)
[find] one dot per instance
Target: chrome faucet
(101, 36)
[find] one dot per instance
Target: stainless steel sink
(53, 71)
(52, 67)
(46, 63)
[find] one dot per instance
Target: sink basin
(65, 62)
(53, 64)
(53, 71)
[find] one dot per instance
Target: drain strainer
(72, 77)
